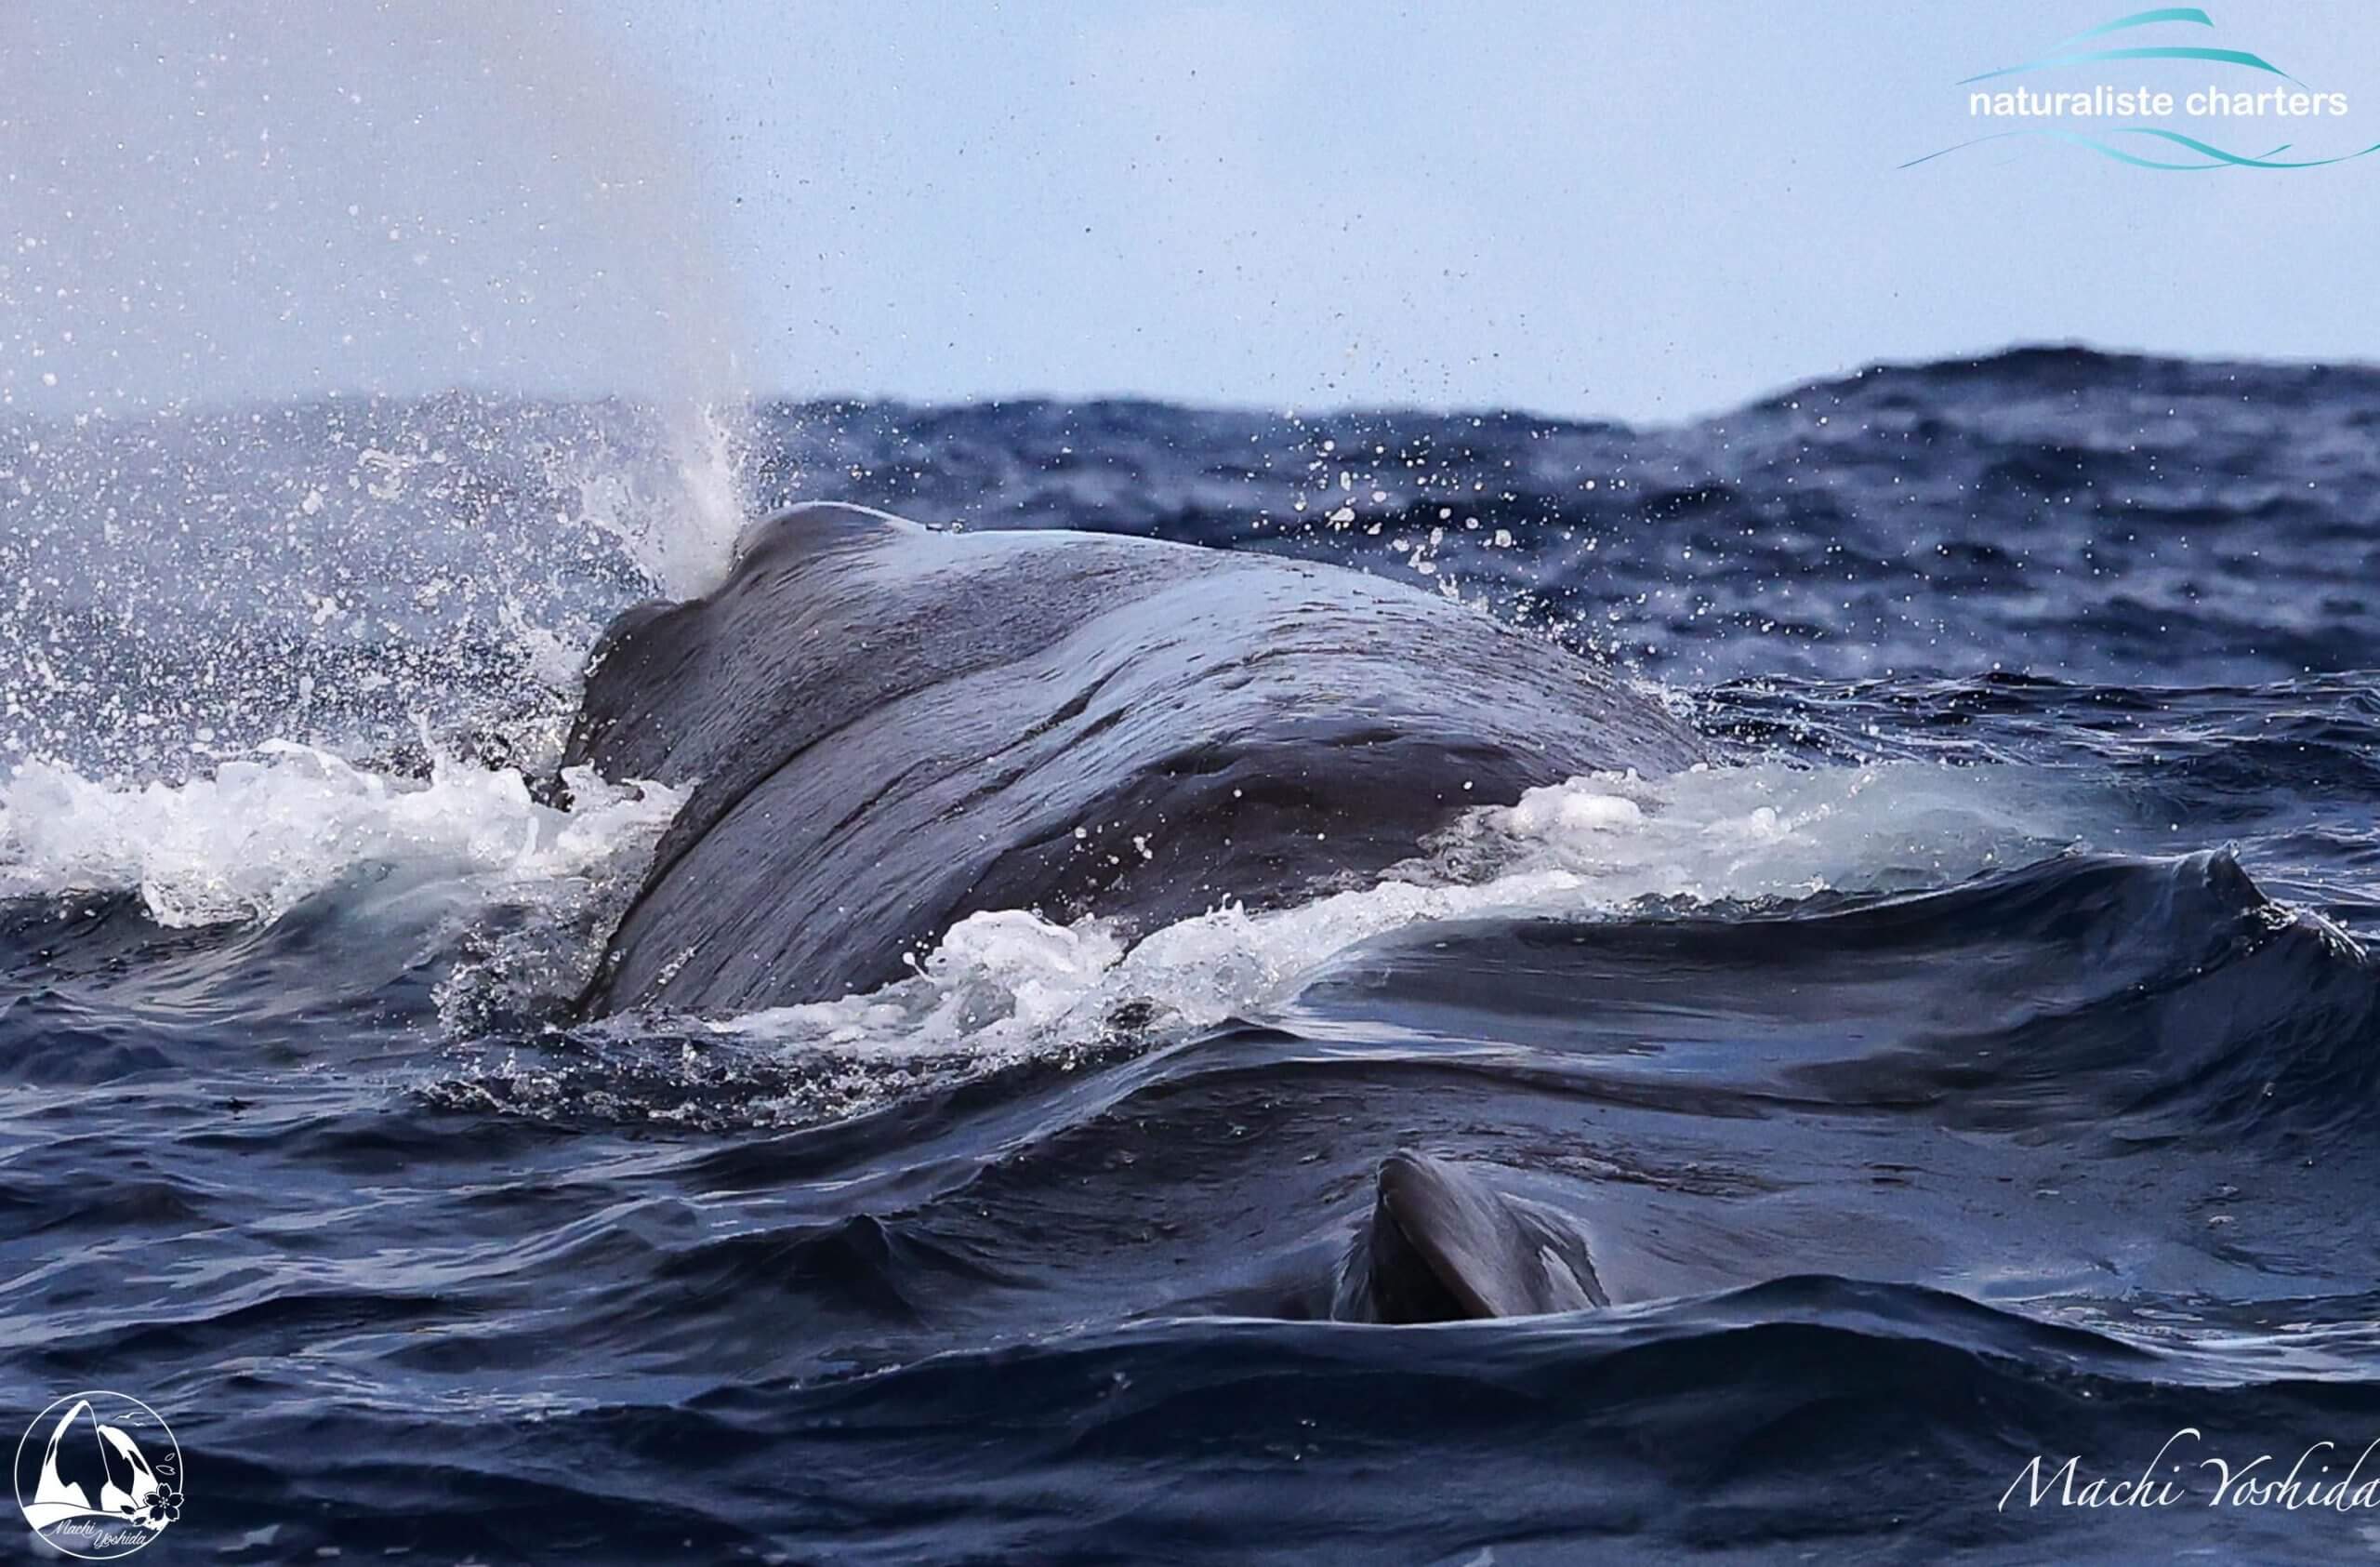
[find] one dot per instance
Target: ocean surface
(1980, 1063)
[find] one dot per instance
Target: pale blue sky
(1636, 211)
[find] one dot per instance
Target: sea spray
(258, 250)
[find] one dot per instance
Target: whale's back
(888, 728)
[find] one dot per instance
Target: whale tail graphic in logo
(87, 1482)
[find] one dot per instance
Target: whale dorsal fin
(1441, 1245)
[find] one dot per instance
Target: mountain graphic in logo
(84, 1481)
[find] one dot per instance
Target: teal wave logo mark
(2156, 51)
(2145, 146)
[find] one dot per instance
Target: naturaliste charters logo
(2231, 91)
(99, 1475)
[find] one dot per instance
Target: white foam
(468, 846)
(266, 832)
(1003, 986)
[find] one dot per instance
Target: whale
(879, 728)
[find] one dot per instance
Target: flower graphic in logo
(99, 1475)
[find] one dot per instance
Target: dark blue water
(1979, 1064)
